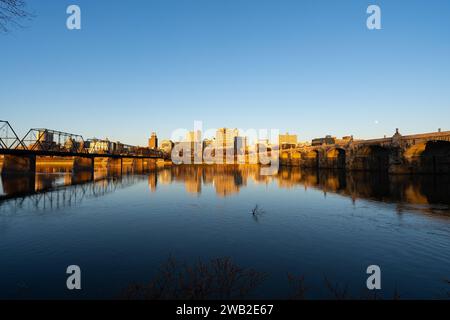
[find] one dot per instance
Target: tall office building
(225, 138)
(240, 145)
(193, 144)
(194, 136)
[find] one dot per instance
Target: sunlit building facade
(287, 141)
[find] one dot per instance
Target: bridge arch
(311, 159)
(429, 157)
(296, 155)
(290, 158)
(372, 158)
(284, 158)
(335, 158)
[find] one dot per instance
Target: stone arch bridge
(418, 153)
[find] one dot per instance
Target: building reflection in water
(152, 181)
(427, 193)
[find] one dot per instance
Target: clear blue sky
(307, 67)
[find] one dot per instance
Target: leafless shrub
(336, 290)
(297, 284)
(218, 279)
(448, 282)
(397, 295)
(375, 295)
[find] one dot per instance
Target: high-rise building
(240, 145)
(194, 136)
(208, 143)
(225, 138)
(193, 145)
(153, 141)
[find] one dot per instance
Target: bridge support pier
(115, 164)
(18, 184)
(19, 164)
(23, 172)
(138, 165)
(83, 164)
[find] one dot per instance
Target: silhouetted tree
(11, 12)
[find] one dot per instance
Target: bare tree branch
(11, 13)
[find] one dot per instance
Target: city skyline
(305, 69)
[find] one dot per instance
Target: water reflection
(426, 193)
(59, 190)
(92, 219)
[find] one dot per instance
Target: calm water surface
(121, 228)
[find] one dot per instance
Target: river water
(325, 226)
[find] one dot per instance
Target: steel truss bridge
(47, 142)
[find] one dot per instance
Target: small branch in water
(257, 210)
